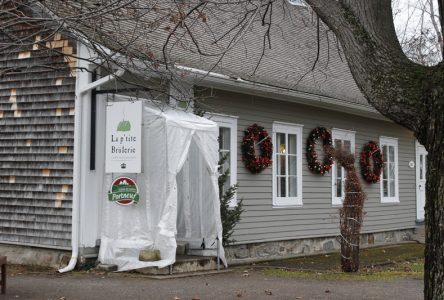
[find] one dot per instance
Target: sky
(413, 17)
(408, 13)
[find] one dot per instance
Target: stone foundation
(25, 255)
(245, 253)
(309, 246)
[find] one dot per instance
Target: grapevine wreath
(371, 151)
(253, 162)
(312, 157)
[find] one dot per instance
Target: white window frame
(389, 141)
(280, 127)
(297, 2)
(340, 134)
(229, 122)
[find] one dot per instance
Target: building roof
(283, 60)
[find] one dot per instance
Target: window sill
(286, 206)
(390, 202)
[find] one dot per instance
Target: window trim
(280, 202)
(228, 121)
(297, 2)
(390, 141)
(340, 134)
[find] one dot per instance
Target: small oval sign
(124, 191)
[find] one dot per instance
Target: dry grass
(379, 263)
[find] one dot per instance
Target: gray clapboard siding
(317, 217)
(247, 220)
(36, 145)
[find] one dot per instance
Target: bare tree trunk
(434, 220)
(407, 93)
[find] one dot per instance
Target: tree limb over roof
(267, 42)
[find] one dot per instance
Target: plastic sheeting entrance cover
(178, 191)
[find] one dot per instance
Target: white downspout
(76, 193)
(82, 87)
(76, 172)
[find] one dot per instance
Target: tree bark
(434, 220)
(407, 93)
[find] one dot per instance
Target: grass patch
(359, 276)
(378, 263)
(14, 270)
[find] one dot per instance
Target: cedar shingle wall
(37, 92)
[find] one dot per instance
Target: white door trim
(419, 149)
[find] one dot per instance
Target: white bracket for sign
(101, 81)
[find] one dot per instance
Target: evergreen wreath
(253, 162)
(371, 150)
(312, 157)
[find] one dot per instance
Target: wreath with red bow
(256, 134)
(312, 157)
(372, 151)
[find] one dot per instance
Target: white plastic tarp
(178, 191)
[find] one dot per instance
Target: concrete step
(182, 248)
(201, 252)
(183, 264)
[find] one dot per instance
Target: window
(287, 164)
(297, 2)
(389, 178)
(228, 147)
(346, 140)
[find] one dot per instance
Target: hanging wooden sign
(123, 137)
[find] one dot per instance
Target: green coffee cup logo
(124, 191)
(124, 126)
